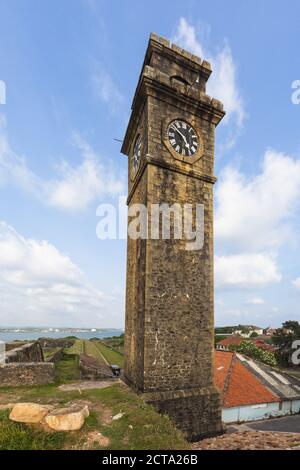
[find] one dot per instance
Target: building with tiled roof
(224, 344)
(269, 331)
(251, 390)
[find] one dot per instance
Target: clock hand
(184, 138)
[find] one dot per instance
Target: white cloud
(77, 187)
(223, 82)
(73, 187)
(13, 167)
(255, 214)
(256, 301)
(107, 90)
(245, 271)
(40, 285)
(296, 283)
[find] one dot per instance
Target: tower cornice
(155, 82)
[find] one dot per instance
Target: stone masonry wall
(170, 293)
(28, 352)
(34, 373)
(56, 342)
(179, 301)
(135, 300)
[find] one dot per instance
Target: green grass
(91, 349)
(77, 347)
(67, 369)
(112, 357)
(18, 436)
(141, 427)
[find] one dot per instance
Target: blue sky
(70, 69)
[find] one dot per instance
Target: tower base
(195, 412)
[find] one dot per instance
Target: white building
(253, 391)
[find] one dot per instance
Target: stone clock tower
(169, 335)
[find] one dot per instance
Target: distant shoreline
(22, 334)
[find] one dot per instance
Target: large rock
(67, 419)
(29, 412)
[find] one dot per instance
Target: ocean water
(12, 335)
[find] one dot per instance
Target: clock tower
(169, 332)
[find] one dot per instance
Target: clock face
(137, 153)
(183, 138)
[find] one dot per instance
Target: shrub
(251, 350)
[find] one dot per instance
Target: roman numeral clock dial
(137, 151)
(183, 138)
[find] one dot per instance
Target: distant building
(224, 344)
(247, 333)
(253, 391)
(269, 331)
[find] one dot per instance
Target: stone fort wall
(15, 374)
(26, 352)
(24, 365)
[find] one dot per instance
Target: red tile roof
(238, 385)
(222, 367)
(265, 346)
(236, 340)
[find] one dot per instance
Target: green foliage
(245, 329)
(225, 330)
(251, 350)
(115, 342)
(18, 436)
(284, 338)
(254, 334)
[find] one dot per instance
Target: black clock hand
(184, 138)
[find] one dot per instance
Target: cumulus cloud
(76, 188)
(254, 219)
(73, 187)
(246, 271)
(41, 285)
(223, 82)
(256, 213)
